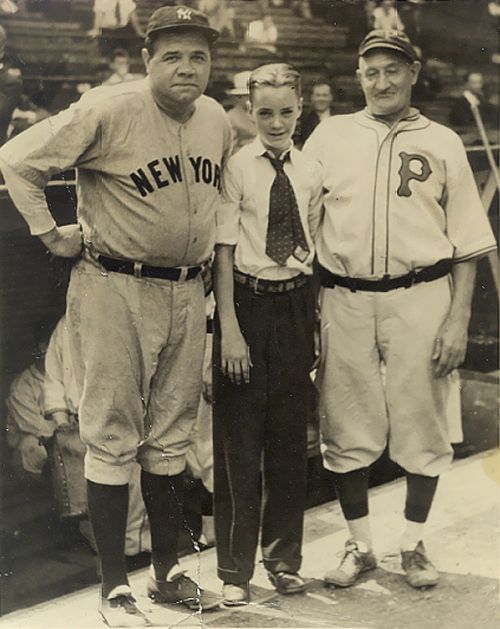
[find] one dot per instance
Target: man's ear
(146, 58)
(249, 107)
(415, 68)
(358, 75)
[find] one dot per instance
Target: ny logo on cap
(184, 14)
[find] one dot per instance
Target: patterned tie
(285, 234)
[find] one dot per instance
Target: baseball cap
(388, 40)
(180, 17)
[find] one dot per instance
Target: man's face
(179, 68)
(475, 83)
(386, 80)
(321, 98)
(275, 111)
(120, 65)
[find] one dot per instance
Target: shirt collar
(413, 121)
(259, 150)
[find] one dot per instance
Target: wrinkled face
(475, 83)
(321, 98)
(275, 111)
(120, 65)
(178, 68)
(386, 80)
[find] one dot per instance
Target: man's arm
(450, 345)
(235, 354)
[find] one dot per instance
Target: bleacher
(51, 52)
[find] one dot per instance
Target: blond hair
(275, 75)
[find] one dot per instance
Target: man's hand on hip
(65, 242)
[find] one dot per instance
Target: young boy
(263, 349)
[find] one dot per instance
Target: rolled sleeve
(468, 226)
(228, 212)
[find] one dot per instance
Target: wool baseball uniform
(147, 187)
(398, 199)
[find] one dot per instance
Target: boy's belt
(138, 269)
(387, 283)
(262, 287)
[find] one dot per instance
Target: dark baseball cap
(180, 18)
(388, 40)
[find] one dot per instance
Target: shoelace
(127, 602)
(183, 580)
(417, 560)
(349, 559)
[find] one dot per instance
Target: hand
(33, 454)
(206, 391)
(235, 357)
(63, 421)
(65, 242)
(450, 347)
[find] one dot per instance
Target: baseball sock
(419, 496)
(163, 497)
(352, 492)
(108, 506)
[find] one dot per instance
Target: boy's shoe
(287, 582)
(119, 609)
(357, 559)
(181, 590)
(419, 570)
(236, 595)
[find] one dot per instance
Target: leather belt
(387, 283)
(263, 287)
(138, 269)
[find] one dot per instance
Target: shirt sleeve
(71, 138)
(24, 406)
(468, 226)
(312, 146)
(228, 213)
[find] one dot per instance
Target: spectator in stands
(301, 8)
(461, 113)
(428, 84)
(220, 16)
(116, 21)
(385, 16)
(8, 6)
(244, 129)
(321, 108)
(10, 89)
(120, 68)
(262, 34)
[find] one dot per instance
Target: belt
(138, 269)
(263, 287)
(387, 283)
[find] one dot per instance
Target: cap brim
(210, 33)
(387, 46)
(238, 92)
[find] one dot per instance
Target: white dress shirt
(242, 218)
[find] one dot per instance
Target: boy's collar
(260, 150)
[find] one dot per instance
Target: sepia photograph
(249, 314)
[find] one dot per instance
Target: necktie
(285, 234)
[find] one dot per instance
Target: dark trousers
(262, 427)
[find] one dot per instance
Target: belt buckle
(137, 269)
(255, 286)
(183, 271)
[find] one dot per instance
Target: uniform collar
(259, 150)
(412, 122)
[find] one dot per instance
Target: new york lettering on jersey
(164, 171)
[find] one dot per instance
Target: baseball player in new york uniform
(149, 155)
(398, 243)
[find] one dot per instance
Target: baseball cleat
(120, 610)
(235, 595)
(357, 559)
(420, 573)
(287, 582)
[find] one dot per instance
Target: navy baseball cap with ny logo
(180, 18)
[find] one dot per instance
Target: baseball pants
(262, 426)
(137, 349)
(360, 414)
